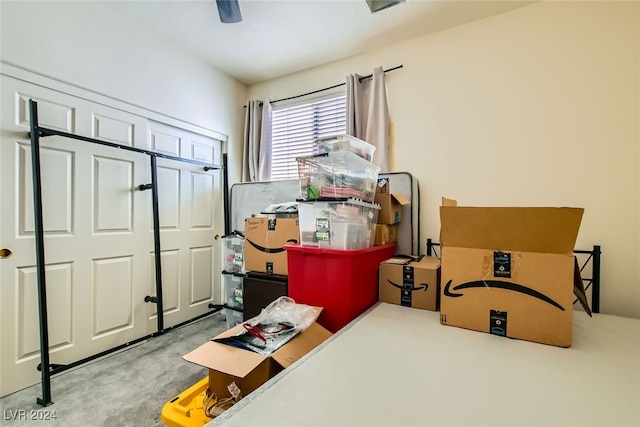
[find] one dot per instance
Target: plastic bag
(276, 325)
(285, 310)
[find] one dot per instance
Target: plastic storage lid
(345, 142)
(315, 250)
(339, 160)
(351, 200)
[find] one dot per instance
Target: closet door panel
(59, 283)
(116, 130)
(57, 190)
(54, 112)
(165, 141)
(112, 297)
(112, 217)
(112, 208)
(201, 280)
(170, 279)
(169, 197)
(96, 237)
(190, 215)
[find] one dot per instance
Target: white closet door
(98, 238)
(95, 232)
(190, 214)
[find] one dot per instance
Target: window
(295, 127)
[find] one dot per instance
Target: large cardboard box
(247, 369)
(411, 282)
(264, 243)
(390, 207)
(510, 271)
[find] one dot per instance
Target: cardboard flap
(300, 345)
(449, 202)
(401, 199)
(400, 260)
(224, 358)
(578, 288)
(429, 262)
(537, 229)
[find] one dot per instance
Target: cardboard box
(391, 207)
(247, 369)
(264, 243)
(411, 282)
(511, 271)
(383, 186)
(385, 233)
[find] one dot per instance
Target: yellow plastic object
(186, 410)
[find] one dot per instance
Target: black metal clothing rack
(36, 132)
(592, 282)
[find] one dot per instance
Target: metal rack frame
(36, 132)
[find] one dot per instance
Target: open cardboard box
(511, 271)
(391, 204)
(247, 369)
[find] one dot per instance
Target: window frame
(307, 120)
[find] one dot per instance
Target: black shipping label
(501, 264)
(405, 298)
(407, 286)
(271, 224)
(407, 276)
(498, 323)
(269, 267)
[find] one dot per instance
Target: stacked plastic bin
(233, 275)
(337, 224)
(337, 189)
(335, 265)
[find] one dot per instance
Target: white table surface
(397, 366)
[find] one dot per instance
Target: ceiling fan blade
(229, 11)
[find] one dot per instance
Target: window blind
(296, 127)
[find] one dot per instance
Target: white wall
(537, 106)
(124, 61)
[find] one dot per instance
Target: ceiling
(278, 37)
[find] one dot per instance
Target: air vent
(378, 5)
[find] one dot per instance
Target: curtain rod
(331, 87)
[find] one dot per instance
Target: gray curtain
(256, 165)
(368, 114)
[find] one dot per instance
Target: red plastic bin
(344, 283)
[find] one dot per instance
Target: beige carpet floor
(128, 388)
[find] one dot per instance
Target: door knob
(5, 253)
